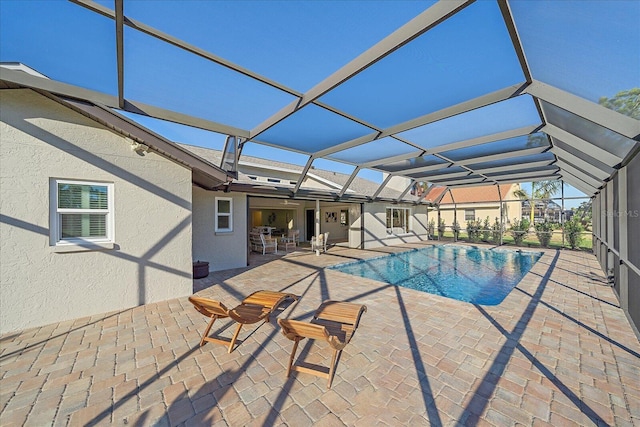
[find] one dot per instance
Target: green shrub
(431, 227)
(496, 232)
(573, 232)
(441, 227)
(473, 230)
(519, 230)
(456, 229)
(486, 229)
(544, 231)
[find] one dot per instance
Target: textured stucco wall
(221, 250)
(375, 228)
(41, 139)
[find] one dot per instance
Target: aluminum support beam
(465, 182)
(441, 177)
(463, 107)
(515, 38)
(384, 184)
(391, 160)
(582, 145)
(119, 20)
(501, 214)
(99, 98)
(501, 156)
(586, 109)
(564, 166)
(623, 238)
(404, 193)
(484, 139)
(582, 164)
(345, 187)
(553, 177)
(303, 174)
(514, 167)
(580, 185)
(403, 35)
(153, 32)
(522, 175)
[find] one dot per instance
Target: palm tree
(523, 195)
(539, 190)
(546, 190)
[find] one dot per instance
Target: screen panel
(312, 129)
(498, 147)
(195, 86)
(63, 41)
(374, 150)
(511, 114)
(597, 135)
(293, 43)
(416, 162)
(451, 63)
(588, 48)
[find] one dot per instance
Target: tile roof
(485, 193)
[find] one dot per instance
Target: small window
(274, 180)
(81, 212)
(224, 214)
(253, 177)
(469, 214)
(398, 220)
(344, 217)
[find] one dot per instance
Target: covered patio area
(557, 351)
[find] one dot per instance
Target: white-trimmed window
(469, 214)
(81, 211)
(224, 214)
(398, 220)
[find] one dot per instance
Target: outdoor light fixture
(137, 146)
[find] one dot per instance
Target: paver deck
(557, 351)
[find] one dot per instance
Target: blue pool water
(478, 276)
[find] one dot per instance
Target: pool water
(478, 276)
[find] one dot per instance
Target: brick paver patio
(558, 351)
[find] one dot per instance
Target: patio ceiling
(462, 93)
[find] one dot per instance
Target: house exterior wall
(482, 210)
(222, 250)
(330, 221)
(151, 258)
(511, 210)
(375, 228)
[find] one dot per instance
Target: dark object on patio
(200, 269)
(254, 308)
(334, 322)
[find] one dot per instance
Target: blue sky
(589, 48)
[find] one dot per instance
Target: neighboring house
(100, 214)
(543, 210)
(480, 202)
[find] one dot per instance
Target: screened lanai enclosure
(450, 93)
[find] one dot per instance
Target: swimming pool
(478, 276)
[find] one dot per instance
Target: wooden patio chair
(334, 322)
(263, 243)
(254, 308)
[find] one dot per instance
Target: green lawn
(531, 241)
